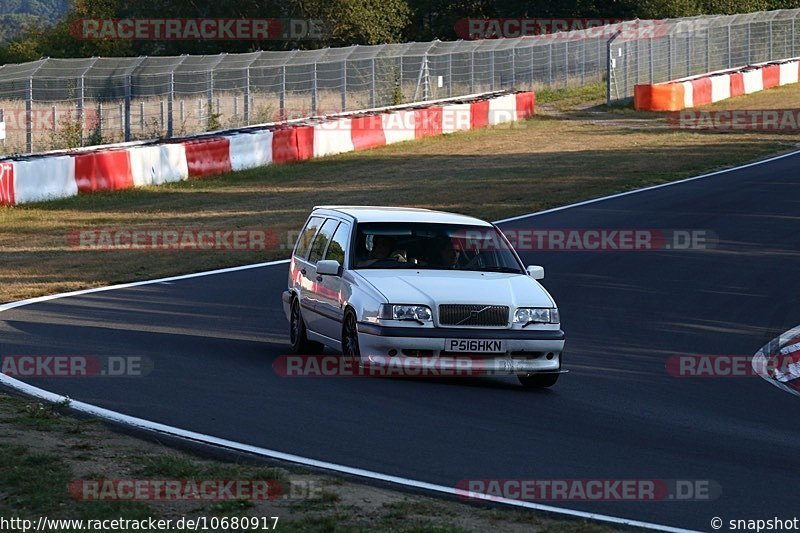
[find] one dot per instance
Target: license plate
(474, 346)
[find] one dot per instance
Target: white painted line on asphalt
(29, 301)
(653, 187)
(305, 461)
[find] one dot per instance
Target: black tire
(350, 347)
(297, 333)
(538, 381)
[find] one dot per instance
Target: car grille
(473, 315)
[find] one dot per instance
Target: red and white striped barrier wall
(47, 178)
(789, 72)
(333, 137)
(250, 150)
(61, 175)
(456, 117)
(157, 164)
(715, 86)
(398, 126)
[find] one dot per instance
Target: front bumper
(535, 351)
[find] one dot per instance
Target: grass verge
(39, 460)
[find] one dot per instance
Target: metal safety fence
(691, 46)
(65, 103)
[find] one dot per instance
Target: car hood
(434, 287)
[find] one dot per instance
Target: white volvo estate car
(380, 283)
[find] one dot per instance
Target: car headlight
(536, 315)
(421, 313)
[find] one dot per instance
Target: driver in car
(382, 246)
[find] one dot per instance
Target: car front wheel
(350, 348)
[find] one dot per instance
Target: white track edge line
(161, 428)
(215, 441)
(652, 187)
(39, 299)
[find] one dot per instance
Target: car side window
(321, 240)
(306, 236)
(338, 244)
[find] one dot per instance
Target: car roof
(365, 213)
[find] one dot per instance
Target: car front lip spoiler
(461, 333)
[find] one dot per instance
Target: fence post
(491, 70)
(652, 68)
(688, 61)
(550, 64)
(610, 65)
(566, 63)
(314, 92)
(636, 51)
(583, 62)
(344, 86)
(708, 50)
(29, 115)
(669, 56)
(730, 53)
(247, 97)
(127, 111)
(372, 88)
(81, 104)
(472, 72)
(282, 95)
(170, 102)
(209, 97)
(449, 74)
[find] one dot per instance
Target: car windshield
(399, 245)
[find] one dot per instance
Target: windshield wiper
(510, 270)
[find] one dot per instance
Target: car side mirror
(329, 267)
(536, 271)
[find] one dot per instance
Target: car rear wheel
(538, 381)
(350, 348)
(298, 336)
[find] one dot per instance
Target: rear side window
(321, 240)
(306, 236)
(338, 244)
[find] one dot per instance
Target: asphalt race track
(617, 415)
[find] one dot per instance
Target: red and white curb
(778, 362)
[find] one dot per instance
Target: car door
(313, 293)
(331, 290)
(301, 272)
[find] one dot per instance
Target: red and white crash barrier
(677, 95)
(61, 175)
